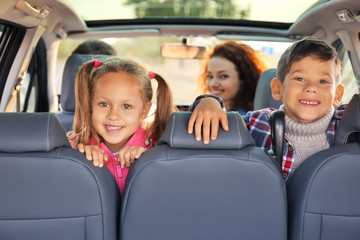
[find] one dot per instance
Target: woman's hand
(93, 153)
(128, 154)
(207, 115)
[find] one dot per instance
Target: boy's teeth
(308, 102)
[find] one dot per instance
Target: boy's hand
(128, 154)
(207, 114)
(93, 153)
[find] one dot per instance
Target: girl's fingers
(80, 147)
(88, 153)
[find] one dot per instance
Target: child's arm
(207, 115)
(93, 153)
(128, 154)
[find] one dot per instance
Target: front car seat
(67, 97)
(183, 189)
(323, 193)
(48, 190)
(263, 96)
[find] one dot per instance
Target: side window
(348, 78)
(32, 95)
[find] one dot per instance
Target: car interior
(181, 188)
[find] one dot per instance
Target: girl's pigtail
(164, 107)
(82, 118)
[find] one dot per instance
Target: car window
(348, 79)
(32, 89)
(181, 74)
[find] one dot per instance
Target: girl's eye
(103, 104)
(209, 77)
(126, 106)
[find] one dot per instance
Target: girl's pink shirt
(140, 139)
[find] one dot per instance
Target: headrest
(349, 126)
(176, 136)
(263, 96)
(30, 132)
(72, 65)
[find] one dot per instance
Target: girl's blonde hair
(86, 77)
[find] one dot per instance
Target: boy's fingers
(191, 122)
(206, 130)
(224, 121)
(198, 126)
(214, 128)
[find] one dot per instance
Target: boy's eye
(323, 81)
(103, 104)
(299, 79)
(126, 106)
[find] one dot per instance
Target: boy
(308, 83)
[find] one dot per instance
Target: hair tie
(151, 75)
(96, 63)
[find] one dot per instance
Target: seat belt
(277, 124)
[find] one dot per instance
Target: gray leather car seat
(48, 190)
(67, 97)
(323, 193)
(183, 189)
(263, 97)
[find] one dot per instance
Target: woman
(231, 71)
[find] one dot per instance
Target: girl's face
(117, 109)
(223, 79)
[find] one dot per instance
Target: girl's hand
(128, 154)
(207, 115)
(93, 153)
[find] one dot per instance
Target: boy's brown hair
(306, 47)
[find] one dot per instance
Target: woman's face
(223, 79)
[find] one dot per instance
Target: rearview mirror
(182, 51)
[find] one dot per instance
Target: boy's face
(309, 89)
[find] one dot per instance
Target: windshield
(257, 10)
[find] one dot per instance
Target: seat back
(48, 190)
(67, 97)
(183, 189)
(323, 194)
(263, 96)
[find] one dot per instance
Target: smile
(111, 128)
(309, 102)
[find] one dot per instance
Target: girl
(113, 98)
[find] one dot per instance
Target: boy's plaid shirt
(258, 123)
